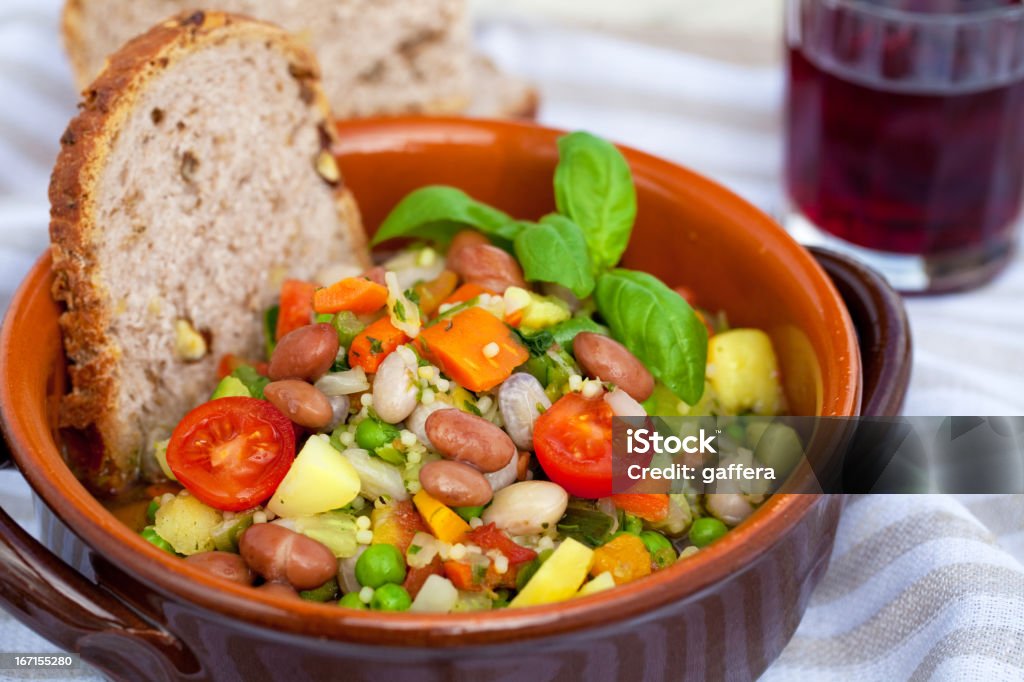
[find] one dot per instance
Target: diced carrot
(462, 347)
(230, 362)
(375, 343)
(514, 318)
(417, 575)
(648, 506)
(625, 556)
(356, 294)
(466, 292)
(446, 525)
(434, 292)
(465, 577)
(296, 306)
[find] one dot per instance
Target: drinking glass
(905, 134)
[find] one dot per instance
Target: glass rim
(1012, 12)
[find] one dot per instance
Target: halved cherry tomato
(231, 453)
(491, 537)
(573, 441)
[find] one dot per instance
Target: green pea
(352, 601)
(348, 327)
(663, 554)
(150, 535)
(391, 597)
(380, 565)
(326, 592)
(373, 433)
(154, 504)
(468, 513)
(706, 530)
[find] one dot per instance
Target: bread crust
(106, 104)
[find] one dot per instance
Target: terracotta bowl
(135, 612)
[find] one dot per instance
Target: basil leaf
(437, 213)
(564, 332)
(658, 326)
(594, 187)
(555, 250)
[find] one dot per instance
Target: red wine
(905, 139)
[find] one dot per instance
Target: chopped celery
(226, 533)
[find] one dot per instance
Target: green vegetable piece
(586, 524)
(632, 524)
(150, 535)
(594, 187)
(352, 601)
(391, 597)
(552, 370)
(372, 433)
(468, 513)
(526, 572)
(544, 555)
(270, 316)
(348, 327)
(390, 454)
(253, 380)
(537, 343)
(154, 504)
(230, 386)
(226, 533)
(438, 213)
(380, 565)
(706, 530)
(658, 326)
(564, 332)
(555, 250)
(663, 554)
(326, 592)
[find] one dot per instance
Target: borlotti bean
(305, 353)
(470, 439)
(607, 359)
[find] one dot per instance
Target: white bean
(416, 422)
(521, 400)
(527, 507)
(729, 508)
(394, 387)
(339, 411)
(504, 477)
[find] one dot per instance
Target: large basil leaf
(594, 187)
(658, 326)
(437, 213)
(554, 250)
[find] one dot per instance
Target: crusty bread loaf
(380, 57)
(193, 182)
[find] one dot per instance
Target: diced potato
(744, 373)
(446, 525)
(319, 480)
(602, 582)
(187, 524)
(559, 577)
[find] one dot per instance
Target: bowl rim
(40, 462)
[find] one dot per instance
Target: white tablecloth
(919, 587)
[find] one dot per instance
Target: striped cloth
(920, 587)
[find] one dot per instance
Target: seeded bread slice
(193, 182)
(380, 57)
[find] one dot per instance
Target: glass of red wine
(905, 134)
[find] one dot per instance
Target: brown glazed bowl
(135, 612)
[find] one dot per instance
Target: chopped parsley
(375, 345)
(399, 310)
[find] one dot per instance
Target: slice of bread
(193, 182)
(380, 57)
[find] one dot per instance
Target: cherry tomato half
(573, 441)
(232, 453)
